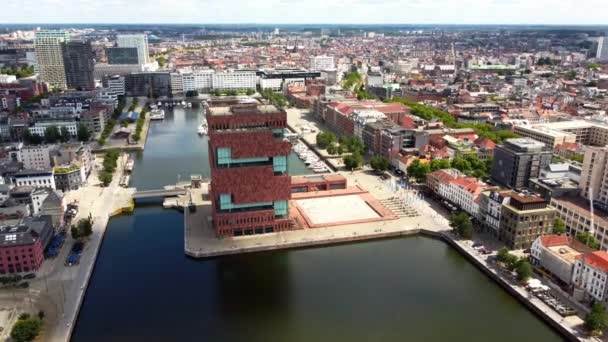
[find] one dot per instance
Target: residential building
(95, 118)
(122, 55)
(464, 192)
(591, 273)
(436, 178)
(250, 185)
(22, 246)
(557, 255)
(523, 219)
(37, 156)
(517, 160)
(69, 177)
(138, 41)
(318, 63)
(78, 60)
(49, 56)
(39, 178)
(40, 127)
(550, 137)
(587, 132)
(594, 176)
(38, 196)
(491, 203)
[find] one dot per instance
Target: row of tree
(231, 92)
(140, 124)
(469, 165)
(275, 98)
(109, 126)
(521, 266)
(22, 71)
(110, 161)
(83, 229)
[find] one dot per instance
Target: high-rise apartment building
(49, 57)
(250, 184)
(139, 41)
(602, 49)
(322, 63)
(518, 160)
(594, 178)
(79, 63)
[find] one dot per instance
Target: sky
(551, 12)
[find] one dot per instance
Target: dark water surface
(411, 289)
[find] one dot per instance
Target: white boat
(202, 130)
(159, 103)
(189, 104)
(183, 103)
(129, 165)
(319, 169)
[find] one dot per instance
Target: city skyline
(473, 12)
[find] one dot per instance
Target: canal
(410, 289)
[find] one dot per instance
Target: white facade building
(322, 63)
(38, 196)
(139, 41)
(234, 80)
(8, 78)
(37, 178)
(49, 57)
(39, 128)
(591, 274)
(363, 117)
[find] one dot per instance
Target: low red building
(22, 246)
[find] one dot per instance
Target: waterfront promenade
(67, 285)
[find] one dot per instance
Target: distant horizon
(311, 12)
(293, 24)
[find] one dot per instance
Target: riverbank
(99, 202)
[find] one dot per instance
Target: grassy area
(481, 129)
(63, 170)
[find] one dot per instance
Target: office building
(115, 83)
(38, 178)
(49, 55)
(250, 186)
(150, 84)
(139, 41)
(102, 70)
(79, 62)
(602, 49)
(318, 63)
(517, 160)
(234, 80)
(122, 55)
(576, 214)
(523, 219)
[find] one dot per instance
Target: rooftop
(245, 109)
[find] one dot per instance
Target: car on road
(399, 172)
(29, 276)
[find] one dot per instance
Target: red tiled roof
(555, 240)
(483, 142)
(597, 259)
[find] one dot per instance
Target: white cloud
(306, 11)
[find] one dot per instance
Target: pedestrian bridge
(159, 193)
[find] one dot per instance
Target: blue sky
(559, 12)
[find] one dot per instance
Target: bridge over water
(159, 193)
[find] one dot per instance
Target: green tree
(596, 320)
(461, 164)
(324, 139)
(32, 139)
(75, 232)
(85, 226)
(418, 170)
(51, 134)
(64, 134)
(105, 178)
(162, 61)
(461, 223)
(559, 227)
(379, 163)
(332, 148)
(26, 330)
(83, 133)
(509, 259)
(353, 161)
(588, 239)
(440, 164)
(250, 92)
(523, 270)
(570, 75)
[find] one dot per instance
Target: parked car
(29, 276)
(477, 244)
(398, 172)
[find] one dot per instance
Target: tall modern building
(594, 177)
(139, 41)
(122, 55)
(518, 160)
(602, 49)
(250, 185)
(49, 56)
(79, 63)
